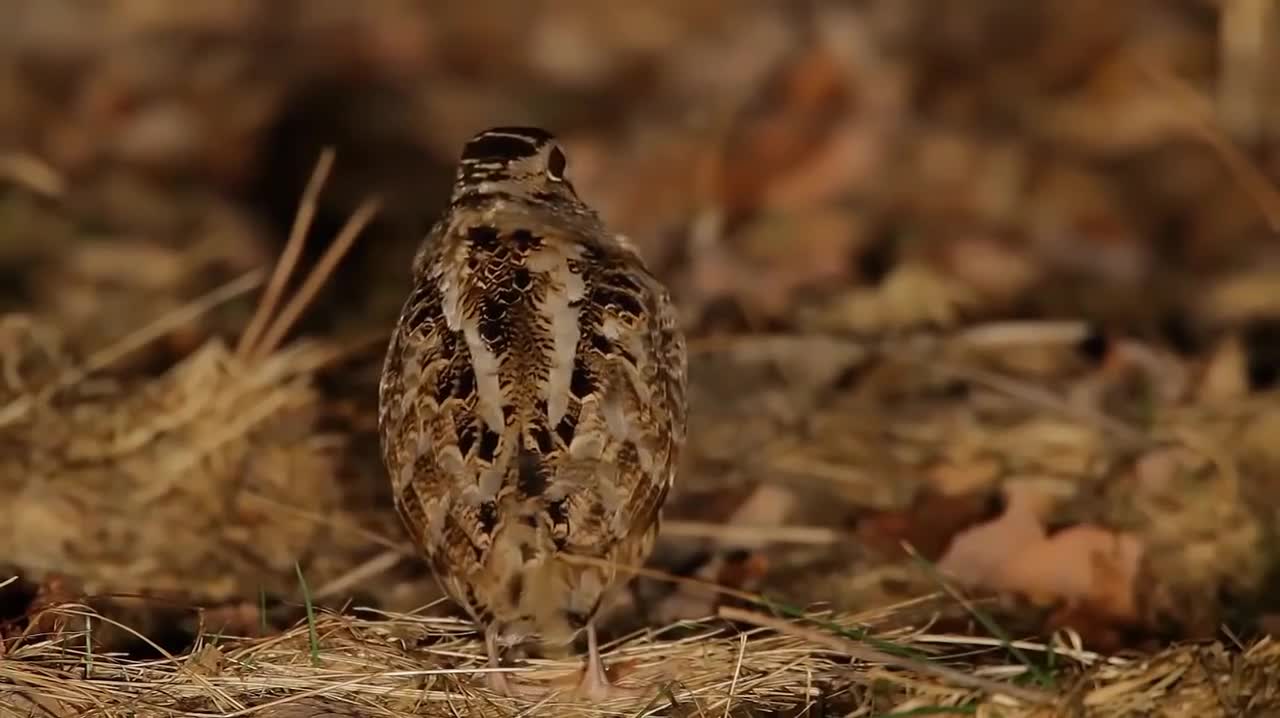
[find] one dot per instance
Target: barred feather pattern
(532, 401)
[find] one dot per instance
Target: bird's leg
(497, 681)
(595, 685)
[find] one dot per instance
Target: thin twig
(992, 335)
(379, 564)
(316, 279)
(871, 655)
(179, 665)
(737, 671)
(1083, 656)
(289, 258)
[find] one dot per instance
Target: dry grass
(406, 664)
(364, 662)
(368, 663)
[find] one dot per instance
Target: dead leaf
(743, 572)
(929, 525)
(978, 555)
(1090, 570)
(55, 590)
(1082, 565)
(787, 124)
(955, 479)
(208, 661)
(993, 268)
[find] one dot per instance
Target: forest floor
(983, 307)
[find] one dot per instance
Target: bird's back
(531, 408)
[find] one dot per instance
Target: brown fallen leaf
(788, 123)
(743, 572)
(929, 525)
(1088, 572)
(208, 661)
(978, 554)
(1082, 566)
(53, 591)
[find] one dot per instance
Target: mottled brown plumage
(532, 402)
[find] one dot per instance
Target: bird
(532, 402)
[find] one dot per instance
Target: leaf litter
(978, 296)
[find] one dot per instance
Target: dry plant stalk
(132, 342)
(367, 667)
(263, 335)
(871, 655)
(212, 431)
(289, 258)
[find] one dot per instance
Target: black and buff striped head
(521, 162)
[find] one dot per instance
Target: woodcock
(532, 402)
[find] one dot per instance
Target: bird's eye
(555, 165)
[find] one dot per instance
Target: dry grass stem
(871, 655)
(318, 276)
(370, 662)
(1023, 333)
(381, 563)
(132, 342)
(289, 257)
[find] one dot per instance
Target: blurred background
(1062, 158)
(1083, 191)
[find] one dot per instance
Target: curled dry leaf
(1087, 570)
(977, 554)
(1082, 566)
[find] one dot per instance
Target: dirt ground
(983, 309)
